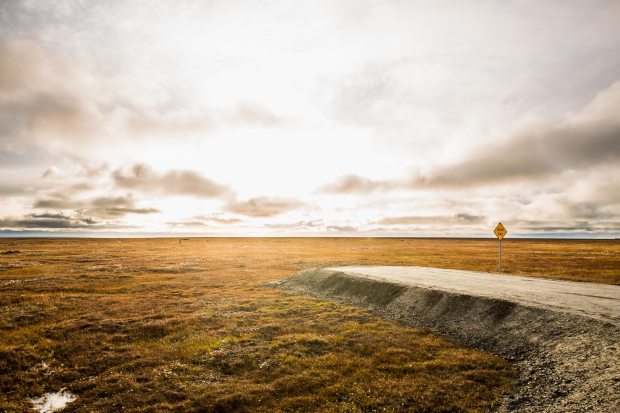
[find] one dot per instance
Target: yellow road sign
(500, 231)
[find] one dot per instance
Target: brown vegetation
(154, 325)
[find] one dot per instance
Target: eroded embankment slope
(567, 362)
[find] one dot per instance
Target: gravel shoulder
(565, 341)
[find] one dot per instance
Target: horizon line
(522, 236)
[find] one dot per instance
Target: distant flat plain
(156, 325)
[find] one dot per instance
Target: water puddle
(53, 402)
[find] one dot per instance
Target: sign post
(500, 232)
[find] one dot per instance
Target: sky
(334, 118)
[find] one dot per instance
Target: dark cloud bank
(589, 140)
(535, 154)
(58, 221)
(85, 214)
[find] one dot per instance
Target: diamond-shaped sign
(500, 231)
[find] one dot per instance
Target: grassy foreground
(154, 325)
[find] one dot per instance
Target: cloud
(22, 64)
(187, 224)
(154, 122)
(263, 207)
(587, 139)
(297, 226)
(38, 103)
(102, 207)
(113, 212)
(61, 186)
(585, 210)
(79, 187)
(563, 226)
(43, 223)
(605, 189)
(49, 220)
(57, 203)
(11, 189)
(204, 220)
(50, 172)
(219, 219)
(112, 207)
(50, 215)
(350, 184)
(534, 155)
(82, 106)
(431, 219)
(175, 182)
(341, 228)
(247, 114)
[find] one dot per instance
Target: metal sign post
(500, 232)
(499, 259)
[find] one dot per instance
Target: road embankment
(567, 361)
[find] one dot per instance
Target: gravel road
(598, 301)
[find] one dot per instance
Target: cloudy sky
(349, 117)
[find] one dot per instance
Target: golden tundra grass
(151, 325)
